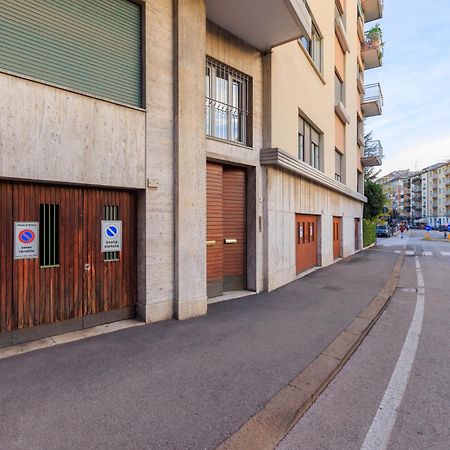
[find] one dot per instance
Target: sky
(415, 79)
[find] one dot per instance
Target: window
(308, 144)
(339, 89)
(314, 46)
(338, 167)
(301, 140)
(227, 103)
(315, 159)
(91, 47)
(111, 212)
(49, 235)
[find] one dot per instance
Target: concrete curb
(267, 428)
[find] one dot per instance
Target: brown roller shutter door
(226, 229)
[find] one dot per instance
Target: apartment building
(159, 156)
(397, 187)
(431, 195)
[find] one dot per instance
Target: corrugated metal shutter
(89, 46)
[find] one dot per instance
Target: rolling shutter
(88, 46)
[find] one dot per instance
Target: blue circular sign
(112, 231)
(448, 228)
(428, 228)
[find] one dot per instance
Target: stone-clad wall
(288, 194)
(53, 135)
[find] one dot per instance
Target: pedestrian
(402, 230)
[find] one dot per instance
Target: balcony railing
(373, 155)
(372, 104)
(372, 49)
(373, 9)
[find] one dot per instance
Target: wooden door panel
(7, 318)
(306, 242)
(108, 285)
(337, 237)
(235, 228)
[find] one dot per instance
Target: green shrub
(369, 232)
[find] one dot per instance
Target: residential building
(397, 187)
(159, 156)
(431, 195)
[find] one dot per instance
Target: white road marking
(428, 253)
(383, 423)
(445, 253)
(409, 253)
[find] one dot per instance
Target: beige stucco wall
(288, 194)
(296, 86)
(50, 134)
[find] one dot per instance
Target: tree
(376, 199)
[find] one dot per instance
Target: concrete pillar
(190, 158)
(156, 243)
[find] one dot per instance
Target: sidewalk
(182, 385)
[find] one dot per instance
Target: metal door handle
(210, 243)
(231, 241)
(87, 267)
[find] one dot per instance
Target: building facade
(431, 195)
(159, 156)
(397, 187)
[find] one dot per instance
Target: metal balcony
(372, 51)
(372, 104)
(264, 24)
(373, 9)
(373, 155)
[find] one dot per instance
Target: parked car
(384, 231)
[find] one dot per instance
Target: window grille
(111, 212)
(228, 100)
(49, 235)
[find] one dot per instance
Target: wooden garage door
(72, 280)
(337, 231)
(306, 231)
(226, 229)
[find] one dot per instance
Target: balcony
(264, 24)
(373, 9)
(372, 104)
(372, 49)
(373, 155)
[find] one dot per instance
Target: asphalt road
(182, 385)
(394, 392)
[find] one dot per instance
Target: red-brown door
(337, 221)
(71, 279)
(109, 278)
(234, 229)
(357, 234)
(306, 231)
(226, 229)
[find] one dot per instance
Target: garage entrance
(226, 229)
(306, 231)
(70, 283)
(337, 231)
